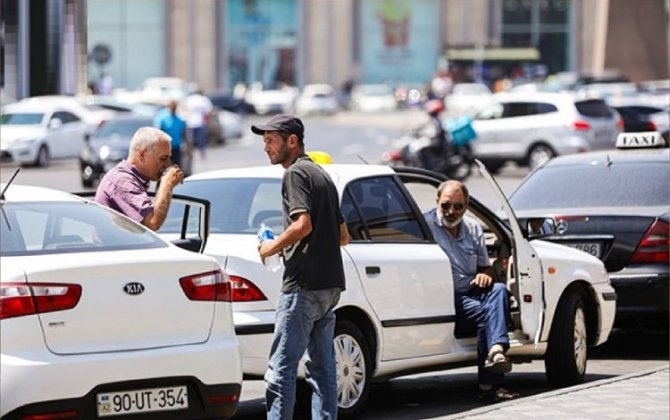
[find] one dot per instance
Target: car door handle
(372, 270)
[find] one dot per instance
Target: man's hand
(482, 280)
(265, 249)
(172, 176)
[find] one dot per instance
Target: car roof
(562, 97)
(613, 155)
(30, 193)
(340, 173)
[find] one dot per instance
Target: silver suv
(531, 128)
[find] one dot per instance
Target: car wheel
(539, 155)
(567, 353)
(42, 159)
(354, 368)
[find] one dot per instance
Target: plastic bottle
(273, 262)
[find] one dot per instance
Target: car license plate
(142, 401)
(592, 248)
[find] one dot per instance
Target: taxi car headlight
(104, 152)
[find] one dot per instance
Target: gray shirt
(466, 252)
(124, 189)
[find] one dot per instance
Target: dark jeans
(489, 310)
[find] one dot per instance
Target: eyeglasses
(447, 205)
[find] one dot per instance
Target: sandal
(497, 362)
(496, 395)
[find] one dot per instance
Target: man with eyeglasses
(478, 298)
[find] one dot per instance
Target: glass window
(238, 205)
(22, 119)
(618, 185)
(121, 128)
(55, 228)
(376, 209)
(545, 108)
(593, 108)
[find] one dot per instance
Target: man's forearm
(155, 219)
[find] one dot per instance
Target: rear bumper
(36, 377)
(200, 401)
(641, 296)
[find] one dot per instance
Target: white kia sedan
(397, 314)
(100, 317)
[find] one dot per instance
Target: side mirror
(538, 227)
(55, 123)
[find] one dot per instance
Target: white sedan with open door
(397, 314)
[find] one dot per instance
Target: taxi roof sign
(641, 140)
(320, 157)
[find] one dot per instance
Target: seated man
(477, 297)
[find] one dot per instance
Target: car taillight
(19, 299)
(650, 126)
(210, 286)
(581, 126)
(60, 415)
(655, 245)
(245, 291)
(620, 124)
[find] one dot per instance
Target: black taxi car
(614, 204)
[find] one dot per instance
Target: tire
(43, 158)
(354, 368)
(567, 352)
(539, 155)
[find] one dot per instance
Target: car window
(518, 109)
(376, 209)
(619, 185)
(65, 117)
(22, 119)
(237, 205)
(545, 108)
(593, 108)
(48, 228)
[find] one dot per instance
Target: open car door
(187, 224)
(527, 264)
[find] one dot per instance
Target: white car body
(56, 132)
(120, 321)
(530, 128)
(269, 101)
(373, 98)
(232, 124)
(397, 313)
(317, 98)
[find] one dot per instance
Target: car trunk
(612, 238)
(115, 298)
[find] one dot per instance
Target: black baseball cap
(281, 122)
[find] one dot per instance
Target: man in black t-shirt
(313, 275)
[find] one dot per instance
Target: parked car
(101, 317)
(109, 145)
(227, 102)
(614, 205)
(319, 98)
(531, 128)
(397, 313)
(638, 117)
(271, 101)
(373, 98)
(33, 133)
(467, 99)
(232, 124)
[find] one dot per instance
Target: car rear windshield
(58, 228)
(620, 185)
(593, 108)
(239, 205)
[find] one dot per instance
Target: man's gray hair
(147, 138)
(457, 184)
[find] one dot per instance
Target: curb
(563, 391)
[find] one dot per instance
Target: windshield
(21, 119)
(57, 228)
(619, 185)
(121, 128)
(239, 205)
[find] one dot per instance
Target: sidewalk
(642, 395)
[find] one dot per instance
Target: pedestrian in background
(124, 187)
(199, 108)
(168, 121)
(313, 275)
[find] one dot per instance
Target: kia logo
(133, 288)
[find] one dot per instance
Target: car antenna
(2, 194)
(363, 160)
(609, 162)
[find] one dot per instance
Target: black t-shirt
(316, 261)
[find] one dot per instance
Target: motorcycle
(416, 149)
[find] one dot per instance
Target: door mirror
(538, 227)
(55, 123)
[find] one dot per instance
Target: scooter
(415, 149)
